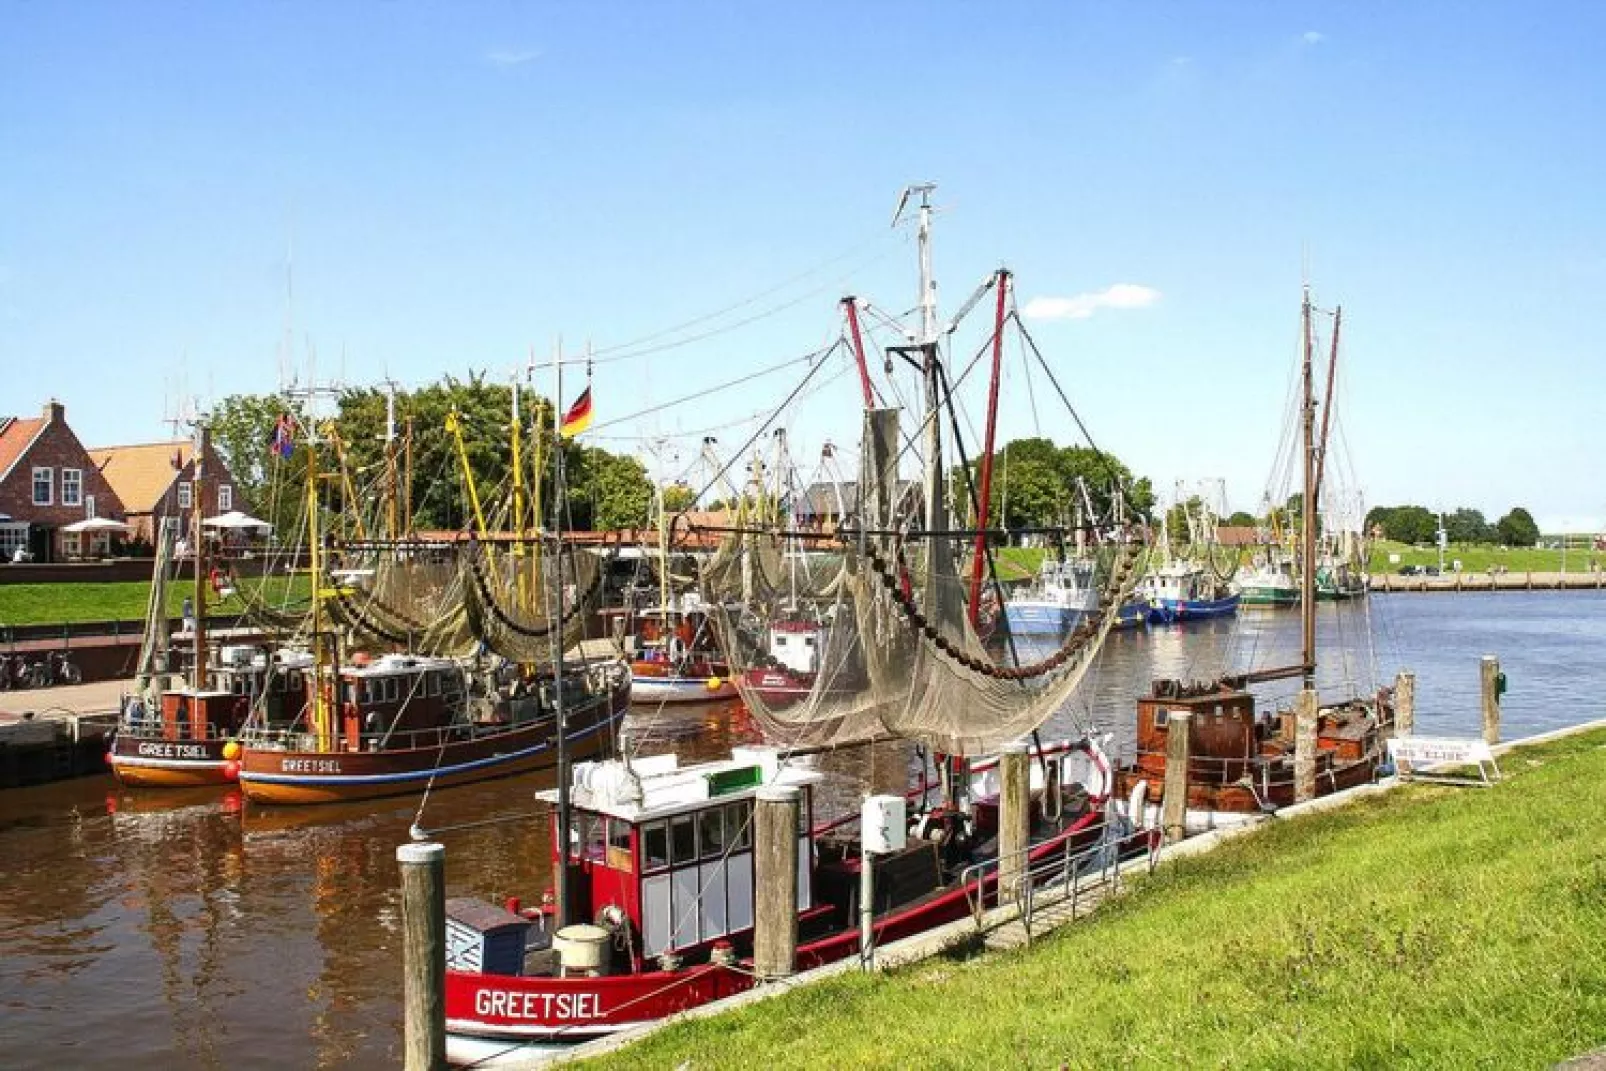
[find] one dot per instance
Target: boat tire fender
(1137, 803)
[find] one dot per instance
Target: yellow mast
(454, 426)
(347, 490)
(322, 726)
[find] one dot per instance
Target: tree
(1241, 519)
(1038, 482)
(615, 490)
(1405, 524)
(679, 496)
(1517, 528)
(1468, 526)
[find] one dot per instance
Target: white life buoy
(1137, 803)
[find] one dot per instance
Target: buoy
(231, 770)
(714, 684)
(231, 750)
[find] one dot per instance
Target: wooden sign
(1413, 755)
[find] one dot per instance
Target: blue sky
(461, 182)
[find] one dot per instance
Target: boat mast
(565, 890)
(984, 493)
(936, 515)
(850, 305)
(1307, 523)
(1327, 396)
(203, 441)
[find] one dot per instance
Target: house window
(44, 482)
(89, 507)
(13, 536)
(225, 498)
(72, 487)
(69, 544)
(183, 496)
(170, 524)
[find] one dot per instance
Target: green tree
(1242, 519)
(266, 484)
(1517, 528)
(1468, 526)
(678, 497)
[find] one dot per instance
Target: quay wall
(1513, 581)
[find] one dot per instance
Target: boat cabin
(389, 700)
(795, 644)
(674, 634)
(1178, 582)
(1224, 737)
(668, 851)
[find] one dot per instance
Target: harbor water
(186, 929)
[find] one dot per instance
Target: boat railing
(1060, 877)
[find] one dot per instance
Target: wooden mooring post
(775, 830)
(1014, 818)
(1494, 685)
(1174, 803)
(423, 880)
(1305, 712)
(1404, 703)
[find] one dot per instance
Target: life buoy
(1137, 803)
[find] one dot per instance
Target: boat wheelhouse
(1182, 591)
(1268, 583)
(182, 742)
(677, 659)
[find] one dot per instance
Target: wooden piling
(1404, 703)
(423, 880)
(1174, 804)
(775, 831)
(1305, 712)
(1491, 699)
(1014, 818)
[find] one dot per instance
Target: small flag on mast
(578, 418)
(283, 440)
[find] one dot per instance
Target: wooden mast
(1307, 507)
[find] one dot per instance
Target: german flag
(578, 418)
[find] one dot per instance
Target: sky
(199, 200)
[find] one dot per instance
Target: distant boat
(1060, 598)
(1270, 583)
(1186, 591)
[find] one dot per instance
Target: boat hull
(286, 777)
(1041, 618)
(1132, 615)
(654, 683)
(1170, 611)
(1251, 596)
(141, 761)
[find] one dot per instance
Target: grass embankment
(1431, 927)
(1478, 557)
(70, 603)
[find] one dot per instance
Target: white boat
(1064, 593)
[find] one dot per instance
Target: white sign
(1431, 750)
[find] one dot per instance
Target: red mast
(984, 504)
(850, 305)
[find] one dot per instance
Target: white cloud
(1313, 37)
(503, 57)
(1080, 307)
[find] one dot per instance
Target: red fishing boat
(664, 862)
(677, 659)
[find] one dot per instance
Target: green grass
(70, 603)
(1431, 927)
(1477, 558)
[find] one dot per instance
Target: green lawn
(1477, 558)
(69, 603)
(1432, 927)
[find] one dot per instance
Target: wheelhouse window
(44, 484)
(739, 825)
(619, 856)
(712, 832)
(591, 843)
(655, 845)
(682, 839)
(72, 487)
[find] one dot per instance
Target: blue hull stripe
(417, 775)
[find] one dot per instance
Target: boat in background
(676, 658)
(1060, 598)
(1186, 591)
(1269, 582)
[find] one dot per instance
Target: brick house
(156, 484)
(48, 481)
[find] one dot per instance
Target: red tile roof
(15, 435)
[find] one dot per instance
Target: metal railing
(1070, 872)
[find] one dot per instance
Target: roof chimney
(54, 412)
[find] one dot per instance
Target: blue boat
(1184, 591)
(1062, 595)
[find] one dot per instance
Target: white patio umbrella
(236, 520)
(96, 524)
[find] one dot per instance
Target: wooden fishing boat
(406, 723)
(185, 741)
(664, 861)
(1240, 764)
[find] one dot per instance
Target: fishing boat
(664, 860)
(654, 860)
(406, 722)
(1186, 591)
(1268, 582)
(677, 659)
(179, 735)
(1242, 762)
(1062, 595)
